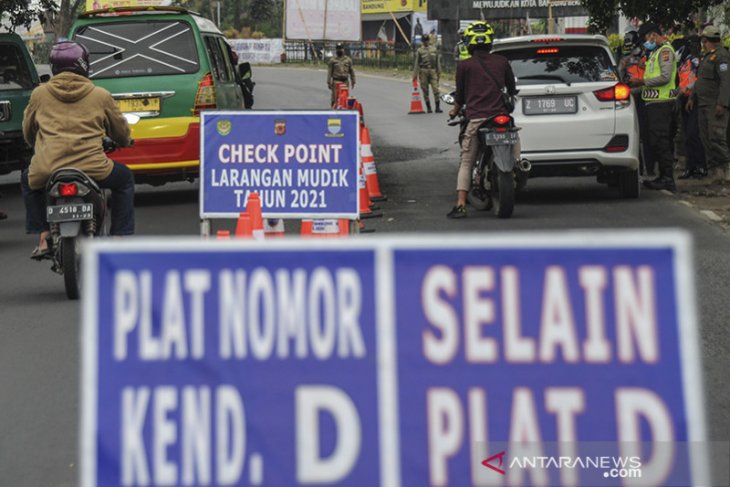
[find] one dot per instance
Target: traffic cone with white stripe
(343, 94)
(253, 208)
(368, 164)
(416, 103)
(365, 204)
(223, 235)
(274, 227)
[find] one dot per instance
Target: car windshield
(139, 48)
(14, 73)
(560, 64)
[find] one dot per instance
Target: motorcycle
(76, 208)
(498, 173)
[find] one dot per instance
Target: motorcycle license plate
(69, 213)
(501, 138)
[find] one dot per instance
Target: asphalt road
(417, 162)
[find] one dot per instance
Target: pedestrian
(693, 148)
(631, 66)
(659, 92)
(479, 84)
(427, 69)
(339, 70)
(712, 97)
(417, 32)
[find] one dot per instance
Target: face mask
(650, 46)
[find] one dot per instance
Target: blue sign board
(302, 164)
(519, 360)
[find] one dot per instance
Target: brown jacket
(65, 121)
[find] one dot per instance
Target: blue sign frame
(415, 365)
(303, 164)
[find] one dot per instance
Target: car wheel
(629, 183)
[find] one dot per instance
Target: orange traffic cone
(223, 235)
(368, 165)
(253, 208)
(416, 103)
(274, 227)
(365, 203)
(244, 229)
(343, 95)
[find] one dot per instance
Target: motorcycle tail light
(68, 189)
(501, 120)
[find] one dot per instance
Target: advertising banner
(462, 360)
(302, 164)
(100, 4)
(502, 9)
(385, 6)
(331, 20)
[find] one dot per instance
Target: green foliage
(664, 12)
(616, 41)
(19, 12)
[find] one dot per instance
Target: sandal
(40, 254)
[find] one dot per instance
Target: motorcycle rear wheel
(70, 260)
(503, 193)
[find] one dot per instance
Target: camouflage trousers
(429, 77)
(713, 133)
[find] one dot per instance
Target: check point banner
(302, 164)
(518, 360)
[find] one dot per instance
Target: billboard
(502, 9)
(385, 6)
(458, 360)
(101, 4)
(332, 20)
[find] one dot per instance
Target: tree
(664, 12)
(21, 12)
(259, 11)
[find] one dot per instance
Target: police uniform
(427, 68)
(339, 69)
(462, 51)
(711, 89)
(660, 92)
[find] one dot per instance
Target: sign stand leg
(205, 228)
(354, 227)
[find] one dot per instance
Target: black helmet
(631, 40)
(340, 46)
(69, 56)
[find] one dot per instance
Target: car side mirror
(45, 78)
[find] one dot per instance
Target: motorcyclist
(477, 90)
(65, 121)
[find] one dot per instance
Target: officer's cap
(712, 33)
(339, 46)
(647, 29)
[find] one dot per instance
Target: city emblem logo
(279, 127)
(334, 126)
(224, 127)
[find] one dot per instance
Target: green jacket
(713, 79)
(426, 58)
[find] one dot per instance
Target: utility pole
(219, 13)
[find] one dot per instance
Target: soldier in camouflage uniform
(427, 69)
(712, 97)
(339, 69)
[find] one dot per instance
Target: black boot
(662, 182)
(438, 107)
(428, 106)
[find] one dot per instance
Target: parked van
(18, 77)
(165, 64)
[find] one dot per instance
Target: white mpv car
(577, 119)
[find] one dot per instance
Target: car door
(228, 92)
(558, 107)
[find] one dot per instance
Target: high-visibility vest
(463, 51)
(667, 91)
(687, 76)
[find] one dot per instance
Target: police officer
(659, 92)
(339, 69)
(712, 97)
(427, 69)
(461, 51)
